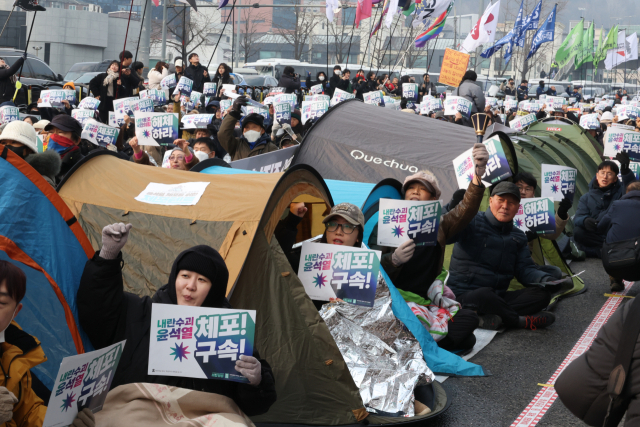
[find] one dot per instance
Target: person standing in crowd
(541, 90)
(509, 89)
(289, 80)
(552, 91)
(138, 68)
(427, 87)
(469, 90)
(321, 79)
(576, 93)
(335, 80)
(222, 77)
(179, 69)
(8, 78)
(345, 82)
(129, 79)
(104, 87)
(523, 91)
(159, 72)
(197, 72)
(554, 69)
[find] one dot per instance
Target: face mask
(338, 72)
(20, 151)
(321, 78)
(252, 135)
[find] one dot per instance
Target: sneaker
(491, 322)
(540, 320)
(616, 286)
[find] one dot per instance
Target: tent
(359, 142)
(237, 215)
(39, 234)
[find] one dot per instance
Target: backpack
(622, 259)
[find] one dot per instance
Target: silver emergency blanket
(383, 357)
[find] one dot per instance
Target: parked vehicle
(80, 68)
(35, 76)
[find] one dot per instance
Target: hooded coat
(621, 220)
(324, 83)
(240, 148)
(109, 315)
(469, 90)
(596, 203)
(196, 73)
(289, 82)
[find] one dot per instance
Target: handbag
(621, 254)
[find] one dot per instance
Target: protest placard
(210, 89)
(312, 110)
(410, 91)
(621, 126)
(225, 104)
(497, 169)
(522, 122)
(532, 107)
(340, 95)
(185, 194)
(184, 86)
(317, 89)
(590, 121)
(89, 104)
(374, 97)
(403, 220)
(434, 104)
(626, 112)
(283, 112)
(158, 96)
(249, 109)
(168, 82)
(197, 121)
(200, 342)
(98, 133)
(141, 105)
(273, 162)
(82, 115)
(83, 381)
(459, 104)
(634, 166)
(536, 214)
(558, 182)
(156, 128)
(510, 105)
(9, 114)
(335, 271)
(317, 98)
(618, 139)
(195, 98)
(70, 96)
(52, 98)
(492, 101)
(291, 98)
(454, 65)
(123, 106)
(276, 90)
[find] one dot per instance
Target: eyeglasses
(178, 158)
(346, 228)
(604, 174)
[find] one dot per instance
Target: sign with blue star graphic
(537, 215)
(558, 182)
(403, 220)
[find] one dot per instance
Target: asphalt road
(520, 359)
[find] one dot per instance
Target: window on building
(258, 21)
(72, 7)
(283, 18)
(441, 60)
(56, 5)
(85, 8)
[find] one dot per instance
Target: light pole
(37, 49)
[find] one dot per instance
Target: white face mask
(338, 72)
(321, 78)
(252, 135)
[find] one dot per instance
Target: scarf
(60, 144)
(13, 78)
(111, 76)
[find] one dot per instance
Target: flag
(221, 3)
(530, 23)
(485, 29)
(391, 13)
(488, 53)
(430, 8)
(616, 55)
(517, 30)
(586, 53)
(31, 5)
(385, 9)
(434, 30)
(608, 44)
(363, 11)
(632, 47)
(570, 45)
(191, 3)
(408, 7)
(333, 6)
(596, 57)
(546, 33)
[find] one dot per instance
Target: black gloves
(456, 198)
(563, 208)
(531, 236)
(24, 56)
(623, 158)
(590, 224)
(240, 102)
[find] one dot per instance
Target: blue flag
(531, 23)
(517, 31)
(488, 53)
(222, 3)
(546, 33)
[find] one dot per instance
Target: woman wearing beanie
(198, 278)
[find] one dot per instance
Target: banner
(403, 220)
(283, 112)
(454, 65)
(210, 89)
(156, 128)
(497, 170)
(83, 381)
(333, 271)
(317, 89)
(168, 82)
(273, 162)
(340, 95)
(197, 121)
(617, 140)
(373, 98)
(200, 342)
(522, 122)
(453, 104)
(410, 91)
(536, 214)
(9, 114)
(123, 106)
(99, 134)
(312, 110)
(558, 182)
(184, 86)
(82, 115)
(89, 104)
(52, 98)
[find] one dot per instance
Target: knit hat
(295, 114)
(426, 179)
(253, 118)
(21, 132)
(40, 125)
(607, 117)
(73, 86)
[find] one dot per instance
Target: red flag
(363, 10)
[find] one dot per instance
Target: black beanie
(253, 118)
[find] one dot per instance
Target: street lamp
(37, 49)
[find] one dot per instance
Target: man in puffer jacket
(289, 80)
(488, 254)
(471, 92)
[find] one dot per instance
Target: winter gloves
(240, 102)
(274, 129)
(591, 224)
(457, 197)
(623, 159)
(114, 237)
(531, 236)
(403, 253)
(480, 158)
(85, 418)
(251, 368)
(563, 208)
(7, 400)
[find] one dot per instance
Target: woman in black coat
(222, 77)
(289, 80)
(8, 78)
(321, 78)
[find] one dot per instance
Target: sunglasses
(346, 228)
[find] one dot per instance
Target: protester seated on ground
(64, 140)
(604, 189)
(204, 145)
(621, 224)
(254, 140)
(109, 315)
(488, 254)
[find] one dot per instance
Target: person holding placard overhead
(469, 90)
(109, 315)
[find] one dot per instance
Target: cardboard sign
(82, 115)
(184, 86)
(197, 121)
(98, 133)
(617, 140)
(123, 106)
(459, 104)
(340, 95)
(273, 162)
(336, 271)
(52, 98)
(185, 194)
(590, 121)
(83, 381)
(497, 170)
(200, 342)
(454, 65)
(410, 91)
(532, 107)
(317, 89)
(373, 98)
(291, 98)
(156, 128)
(491, 101)
(537, 215)
(9, 114)
(89, 104)
(283, 112)
(158, 96)
(403, 220)
(510, 105)
(558, 182)
(312, 110)
(210, 89)
(522, 122)
(168, 82)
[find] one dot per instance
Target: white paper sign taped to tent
(185, 194)
(340, 95)
(558, 182)
(459, 104)
(617, 140)
(403, 220)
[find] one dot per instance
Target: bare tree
(343, 36)
(296, 27)
(250, 36)
(197, 27)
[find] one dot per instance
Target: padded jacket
(239, 148)
(472, 92)
(621, 220)
(596, 203)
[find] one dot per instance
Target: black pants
(523, 302)
(460, 335)
(589, 241)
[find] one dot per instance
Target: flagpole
(221, 33)
(364, 57)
